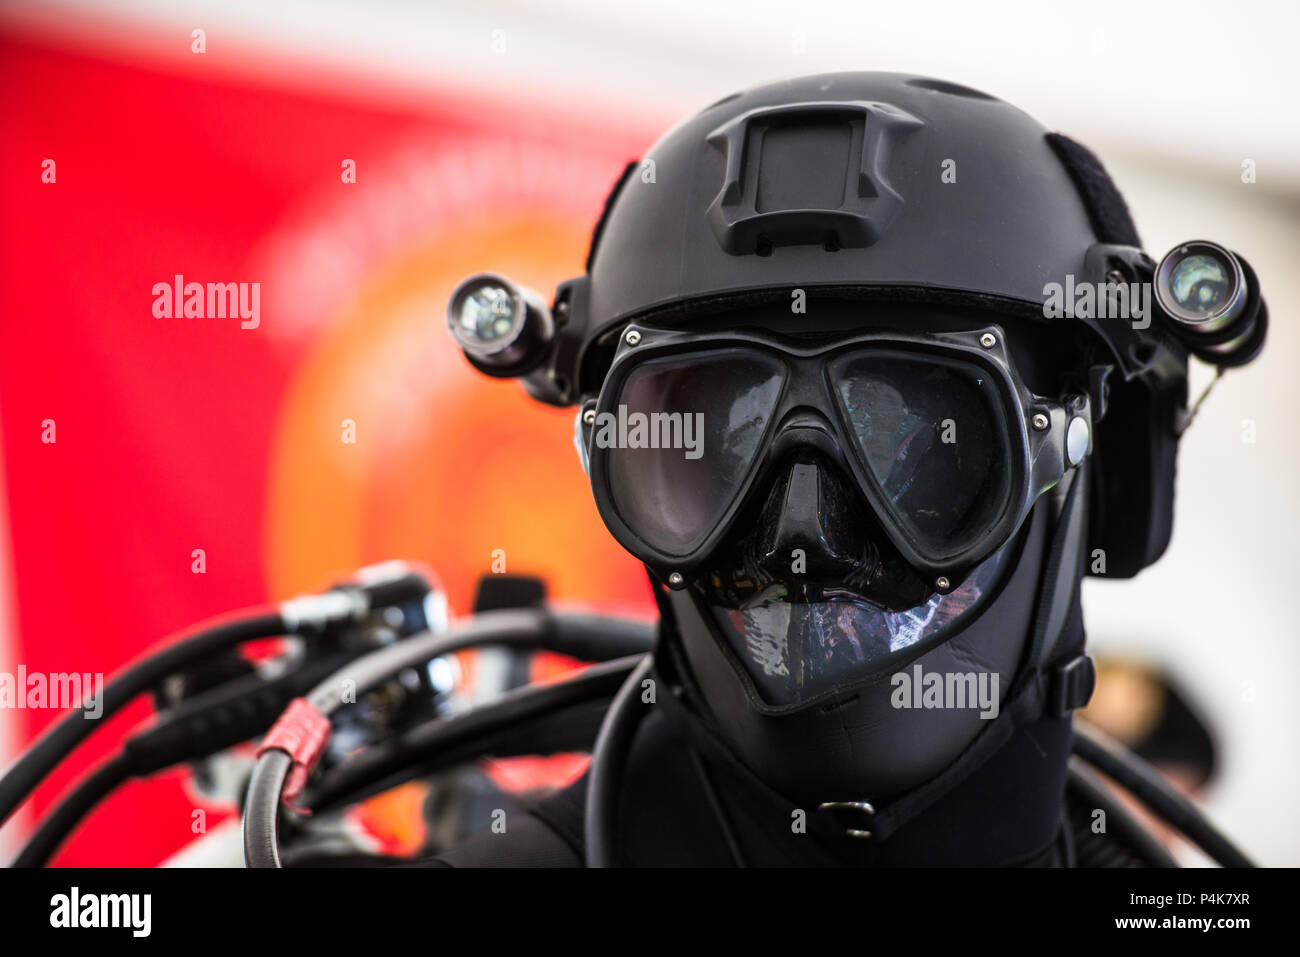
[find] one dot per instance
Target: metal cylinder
(504, 329)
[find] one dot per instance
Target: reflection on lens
(487, 313)
(929, 436)
(794, 651)
(1200, 284)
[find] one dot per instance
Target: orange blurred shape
(531, 773)
(395, 819)
(447, 466)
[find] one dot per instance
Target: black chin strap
(1053, 682)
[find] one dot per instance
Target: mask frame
(1039, 451)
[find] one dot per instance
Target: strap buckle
(843, 810)
(1070, 686)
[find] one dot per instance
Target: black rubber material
(79, 802)
(262, 810)
(411, 749)
(521, 628)
(1119, 822)
(57, 743)
(1152, 789)
(608, 759)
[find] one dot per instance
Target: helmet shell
(842, 179)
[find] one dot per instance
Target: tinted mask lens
(681, 440)
(929, 435)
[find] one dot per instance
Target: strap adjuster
(1070, 686)
(841, 809)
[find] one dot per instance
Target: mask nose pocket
(814, 524)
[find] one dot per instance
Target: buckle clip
(842, 810)
(1070, 686)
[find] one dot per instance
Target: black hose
(568, 729)
(576, 634)
(262, 810)
(92, 789)
(440, 738)
(608, 759)
(1152, 789)
(75, 726)
(346, 602)
(591, 637)
(525, 627)
(1126, 828)
(530, 703)
(200, 726)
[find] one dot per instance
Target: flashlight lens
(1201, 287)
(488, 313)
(1200, 284)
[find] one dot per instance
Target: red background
(176, 434)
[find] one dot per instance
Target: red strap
(301, 733)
